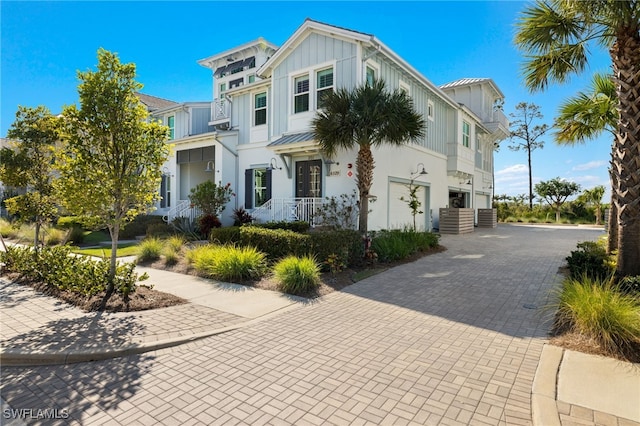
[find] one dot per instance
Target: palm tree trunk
(612, 225)
(364, 178)
(625, 54)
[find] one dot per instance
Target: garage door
(399, 212)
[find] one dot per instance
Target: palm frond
(556, 65)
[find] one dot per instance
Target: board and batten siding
(241, 116)
(200, 120)
(314, 50)
(439, 130)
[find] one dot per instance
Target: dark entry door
(309, 178)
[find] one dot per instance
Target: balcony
(460, 160)
(498, 124)
(220, 112)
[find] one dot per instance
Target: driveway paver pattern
(453, 338)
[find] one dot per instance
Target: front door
(309, 179)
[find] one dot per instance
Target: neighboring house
(257, 135)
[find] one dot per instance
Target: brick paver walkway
(453, 338)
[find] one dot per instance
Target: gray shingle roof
(154, 103)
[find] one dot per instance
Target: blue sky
(44, 44)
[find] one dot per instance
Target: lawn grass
(95, 237)
(125, 249)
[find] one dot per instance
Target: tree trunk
(558, 215)
(36, 238)
(114, 231)
(625, 54)
(612, 224)
(530, 180)
(364, 178)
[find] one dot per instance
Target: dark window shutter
(163, 192)
(248, 189)
(269, 180)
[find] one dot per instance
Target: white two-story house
(258, 136)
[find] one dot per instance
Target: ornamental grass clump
(598, 310)
(228, 262)
(149, 249)
(297, 275)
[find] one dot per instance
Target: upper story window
(430, 110)
(260, 109)
(324, 86)
(223, 88)
(236, 83)
(404, 87)
(466, 133)
(171, 126)
(371, 74)
(251, 78)
(301, 94)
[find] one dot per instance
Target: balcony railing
(183, 209)
(289, 210)
(221, 111)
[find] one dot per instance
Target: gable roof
(368, 40)
(154, 103)
(249, 47)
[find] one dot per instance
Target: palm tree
(556, 36)
(369, 116)
(594, 196)
(585, 116)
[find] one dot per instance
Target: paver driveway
(453, 338)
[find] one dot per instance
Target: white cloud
(512, 180)
(588, 166)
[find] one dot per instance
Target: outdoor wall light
(273, 165)
(210, 166)
(419, 170)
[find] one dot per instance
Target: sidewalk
(40, 330)
(430, 315)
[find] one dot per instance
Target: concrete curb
(544, 409)
(19, 358)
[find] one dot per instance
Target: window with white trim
(404, 87)
(171, 125)
(223, 88)
(430, 110)
(260, 109)
(252, 78)
(466, 133)
(324, 86)
(371, 75)
(301, 94)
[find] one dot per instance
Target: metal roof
(293, 138)
(464, 82)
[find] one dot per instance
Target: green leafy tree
(210, 198)
(586, 116)
(555, 192)
(556, 36)
(110, 165)
(366, 117)
(525, 135)
(594, 196)
(28, 164)
(413, 201)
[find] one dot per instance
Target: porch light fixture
(420, 170)
(210, 166)
(273, 165)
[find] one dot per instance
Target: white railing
(182, 209)
(221, 110)
(288, 210)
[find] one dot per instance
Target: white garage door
(399, 212)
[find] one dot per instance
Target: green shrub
(346, 244)
(228, 262)
(8, 230)
(397, 244)
(149, 249)
(225, 235)
(159, 229)
(75, 235)
(139, 226)
(70, 222)
(296, 226)
(55, 267)
(589, 259)
(53, 236)
(275, 243)
(175, 243)
(597, 310)
(297, 275)
(237, 263)
(630, 285)
(171, 255)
